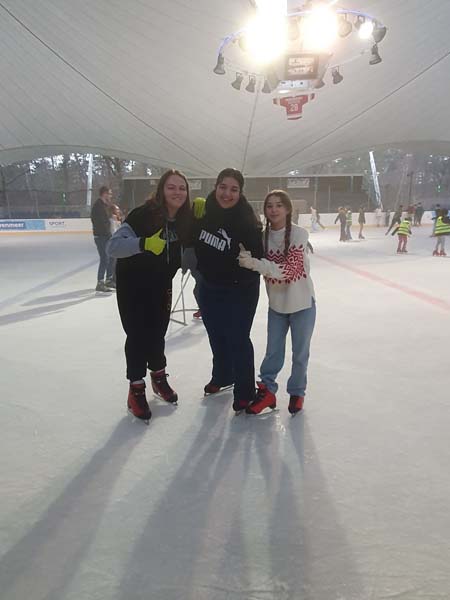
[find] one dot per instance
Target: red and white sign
(294, 105)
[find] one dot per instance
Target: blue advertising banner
(12, 225)
(22, 225)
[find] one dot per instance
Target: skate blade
(173, 403)
(294, 414)
(265, 411)
(135, 418)
(226, 388)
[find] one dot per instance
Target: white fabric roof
(134, 79)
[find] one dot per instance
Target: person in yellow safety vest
(442, 228)
(403, 231)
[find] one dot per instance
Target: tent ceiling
(134, 79)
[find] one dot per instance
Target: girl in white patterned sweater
(291, 302)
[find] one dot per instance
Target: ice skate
(101, 287)
(295, 404)
(137, 402)
(212, 388)
(240, 405)
(110, 284)
(436, 253)
(197, 315)
(442, 253)
(161, 387)
(264, 399)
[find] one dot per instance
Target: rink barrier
(85, 226)
(45, 226)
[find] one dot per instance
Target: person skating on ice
(147, 247)
(396, 218)
(228, 294)
(348, 223)
(441, 231)
(342, 218)
(362, 222)
(403, 230)
(292, 305)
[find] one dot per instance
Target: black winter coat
(101, 224)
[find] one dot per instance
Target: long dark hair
(230, 172)
(183, 217)
(247, 214)
(287, 203)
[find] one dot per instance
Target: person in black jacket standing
(228, 293)
(147, 247)
(101, 225)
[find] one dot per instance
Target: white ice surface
(347, 501)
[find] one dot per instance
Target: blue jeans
(302, 326)
(227, 313)
(106, 263)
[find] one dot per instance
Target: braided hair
(285, 200)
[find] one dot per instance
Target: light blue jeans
(301, 324)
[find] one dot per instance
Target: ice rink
(347, 501)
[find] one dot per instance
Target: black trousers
(228, 313)
(145, 314)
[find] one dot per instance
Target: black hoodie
(217, 238)
(147, 267)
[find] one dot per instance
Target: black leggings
(145, 314)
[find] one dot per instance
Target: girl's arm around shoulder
(253, 241)
(124, 243)
(278, 266)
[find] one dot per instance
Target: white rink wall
(85, 225)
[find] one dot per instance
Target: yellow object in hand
(199, 207)
(155, 244)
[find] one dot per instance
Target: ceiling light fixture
(337, 77)
(251, 84)
(376, 58)
(238, 81)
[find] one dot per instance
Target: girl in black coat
(228, 294)
(148, 249)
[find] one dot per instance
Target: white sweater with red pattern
(289, 285)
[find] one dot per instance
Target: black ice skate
(240, 405)
(161, 387)
(137, 402)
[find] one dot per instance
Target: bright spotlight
(238, 81)
(378, 33)
(344, 27)
(337, 77)
(266, 89)
(366, 30)
(319, 29)
(251, 85)
(376, 58)
(266, 39)
(219, 69)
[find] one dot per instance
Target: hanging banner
(195, 184)
(298, 182)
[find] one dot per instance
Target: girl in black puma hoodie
(229, 294)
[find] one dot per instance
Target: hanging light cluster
(295, 51)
